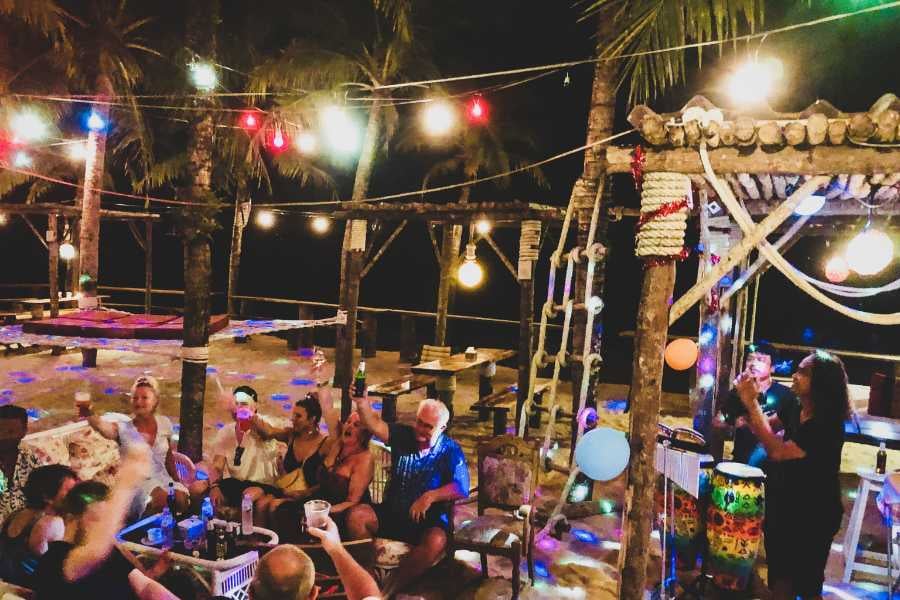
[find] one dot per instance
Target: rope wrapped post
(660, 242)
(529, 249)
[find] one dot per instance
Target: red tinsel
(714, 259)
(638, 159)
(655, 261)
(663, 211)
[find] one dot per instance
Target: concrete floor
(582, 565)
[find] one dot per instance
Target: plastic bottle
(167, 524)
(206, 511)
(359, 380)
(246, 515)
(221, 549)
(170, 499)
(881, 459)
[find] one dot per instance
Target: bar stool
(869, 483)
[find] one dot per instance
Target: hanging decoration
(638, 160)
(277, 140)
(251, 120)
(681, 354)
(477, 110)
(837, 269)
(665, 200)
(870, 251)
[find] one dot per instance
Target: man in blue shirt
(428, 473)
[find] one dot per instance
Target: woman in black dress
(803, 492)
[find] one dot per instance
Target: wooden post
(53, 251)
(369, 339)
(354, 251)
(644, 398)
(529, 245)
(409, 346)
(148, 266)
(450, 242)
(241, 216)
(304, 337)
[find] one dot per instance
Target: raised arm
(267, 432)
(370, 419)
(332, 417)
(776, 448)
(102, 528)
(108, 429)
(358, 583)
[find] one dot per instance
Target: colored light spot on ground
(541, 569)
(305, 352)
(62, 368)
(299, 381)
(77, 368)
(109, 391)
(280, 397)
(6, 393)
(220, 425)
(286, 406)
(17, 374)
(211, 370)
(25, 379)
(281, 361)
(547, 544)
(248, 376)
(584, 536)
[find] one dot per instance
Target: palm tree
(629, 26)
(368, 47)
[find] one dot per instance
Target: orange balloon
(681, 354)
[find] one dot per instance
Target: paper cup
(316, 511)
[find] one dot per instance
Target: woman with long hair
(145, 427)
(803, 492)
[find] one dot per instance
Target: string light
(306, 143)
(278, 140)
(483, 226)
(836, 269)
(320, 224)
(470, 272)
(438, 118)
(265, 219)
(95, 122)
(28, 126)
(77, 151)
(341, 133)
(250, 120)
(477, 111)
(22, 160)
(203, 76)
(870, 251)
(754, 81)
(66, 251)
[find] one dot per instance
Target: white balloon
(602, 453)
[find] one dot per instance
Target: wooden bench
(389, 391)
(500, 403)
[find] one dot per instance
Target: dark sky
(850, 63)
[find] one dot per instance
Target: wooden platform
(115, 324)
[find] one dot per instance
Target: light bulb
(95, 122)
(28, 126)
(3, 219)
(870, 251)
(320, 224)
(438, 118)
(341, 132)
(754, 81)
(470, 274)
(22, 160)
(265, 219)
(483, 226)
(203, 76)
(810, 205)
(77, 151)
(837, 269)
(306, 143)
(66, 251)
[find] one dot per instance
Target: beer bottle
(881, 459)
(359, 380)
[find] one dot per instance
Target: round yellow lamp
(470, 272)
(870, 251)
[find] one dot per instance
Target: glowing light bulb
(250, 120)
(477, 110)
(66, 251)
(203, 76)
(265, 219)
(810, 205)
(754, 81)
(28, 126)
(870, 251)
(95, 122)
(22, 160)
(3, 219)
(438, 118)
(320, 224)
(836, 269)
(706, 381)
(470, 272)
(341, 133)
(278, 142)
(306, 143)
(483, 226)
(77, 151)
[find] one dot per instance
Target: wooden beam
(135, 234)
(47, 208)
(453, 212)
(434, 243)
(819, 160)
(34, 230)
(383, 248)
(506, 262)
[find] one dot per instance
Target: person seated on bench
(147, 427)
(244, 462)
(428, 473)
(346, 468)
(26, 533)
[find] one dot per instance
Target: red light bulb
(477, 110)
(278, 139)
(249, 121)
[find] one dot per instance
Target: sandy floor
(582, 565)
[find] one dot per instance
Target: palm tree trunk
(450, 244)
(241, 214)
(197, 251)
(89, 232)
(351, 263)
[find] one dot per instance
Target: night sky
(850, 63)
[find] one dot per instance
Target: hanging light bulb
(306, 143)
(278, 140)
(77, 151)
(28, 126)
(870, 251)
(483, 226)
(66, 251)
(250, 120)
(438, 118)
(470, 272)
(95, 122)
(320, 224)
(477, 111)
(203, 76)
(836, 269)
(754, 81)
(22, 160)
(265, 219)
(341, 132)
(810, 205)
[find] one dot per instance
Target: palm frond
(304, 66)
(44, 16)
(398, 14)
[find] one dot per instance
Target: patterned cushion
(505, 481)
(90, 454)
(497, 530)
(389, 553)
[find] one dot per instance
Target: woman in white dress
(146, 427)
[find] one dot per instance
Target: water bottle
(881, 459)
(247, 515)
(167, 524)
(206, 511)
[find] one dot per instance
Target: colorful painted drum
(690, 518)
(734, 524)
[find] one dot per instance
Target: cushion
(499, 531)
(389, 553)
(506, 482)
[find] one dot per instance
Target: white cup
(316, 511)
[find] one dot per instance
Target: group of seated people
(58, 533)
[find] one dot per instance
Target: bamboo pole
(148, 267)
(53, 248)
(241, 215)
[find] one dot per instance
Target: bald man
(287, 572)
(428, 473)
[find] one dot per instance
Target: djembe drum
(734, 524)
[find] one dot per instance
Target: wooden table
(446, 369)
(865, 429)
